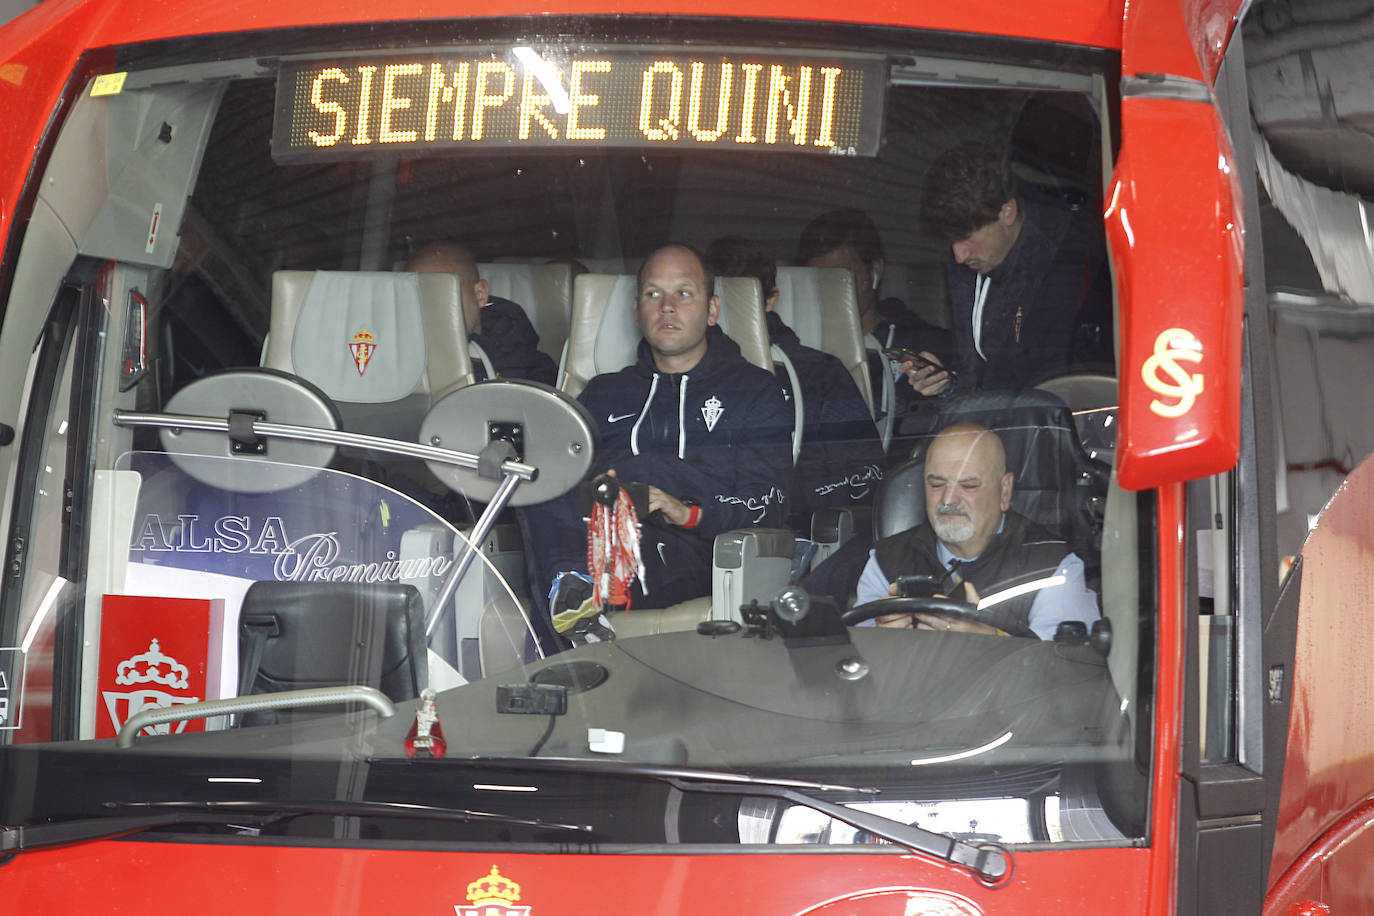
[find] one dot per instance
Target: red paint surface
(1180, 37)
(1325, 808)
(139, 877)
(1160, 890)
(1175, 230)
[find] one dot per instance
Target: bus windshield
(331, 351)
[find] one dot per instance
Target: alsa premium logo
(314, 557)
(492, 895)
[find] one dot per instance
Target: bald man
(499, 326)
(971, 534)
(707, 431)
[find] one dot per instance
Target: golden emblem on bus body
(492, 895)
(1164, 376)
(362, 348)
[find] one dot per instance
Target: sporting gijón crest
(363, 346)
(492, 895)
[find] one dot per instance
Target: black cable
(539, 745)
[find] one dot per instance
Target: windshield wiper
(233, 813)
(989, 863)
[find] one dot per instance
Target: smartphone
(905, 355)
(917, 586)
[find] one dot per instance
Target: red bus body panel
(1324, 848)
(153, 877)
(1177, 248)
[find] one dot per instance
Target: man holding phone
(972, 542)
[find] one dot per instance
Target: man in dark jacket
(500, 327)
(971, 530)
(841, 458)
(708, 432)
(1024, 278)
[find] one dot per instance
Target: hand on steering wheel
(940, 607)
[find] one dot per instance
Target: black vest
(1020, 548)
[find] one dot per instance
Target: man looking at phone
(972, 542)
(1024, 275)
(705, 430)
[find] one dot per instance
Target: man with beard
(973, 535)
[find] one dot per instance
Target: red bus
(270, 645)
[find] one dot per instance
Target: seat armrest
(749, 564)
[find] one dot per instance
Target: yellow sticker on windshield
(109, 84)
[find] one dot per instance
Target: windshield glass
(344, 358)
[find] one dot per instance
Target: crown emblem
(362, 348)
(711, 412)
(153, 663)
(495, 888)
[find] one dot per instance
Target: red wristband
(693, 516)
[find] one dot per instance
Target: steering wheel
(943, 607)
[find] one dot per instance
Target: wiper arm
(257, 813)
(989, 863)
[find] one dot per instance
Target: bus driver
(972, 528)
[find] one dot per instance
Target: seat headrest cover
(617, 343)
(800, 305)
(360, 336)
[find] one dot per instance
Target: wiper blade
(661, 772)
(989, 863)
(84, 830)
(241, 813)
(346, 808)
(278, 810)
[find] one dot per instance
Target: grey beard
(953, 528)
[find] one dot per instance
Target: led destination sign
(641, 99)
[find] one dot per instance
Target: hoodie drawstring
(643, 411)
(681, 419)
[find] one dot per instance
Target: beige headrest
(821, 305)
(743, 319)
(603, 336)
(382, 301)
(544, 291)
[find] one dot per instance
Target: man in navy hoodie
(841, 458)
(708, 432)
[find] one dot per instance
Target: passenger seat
(820, 305)
(383, 346)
